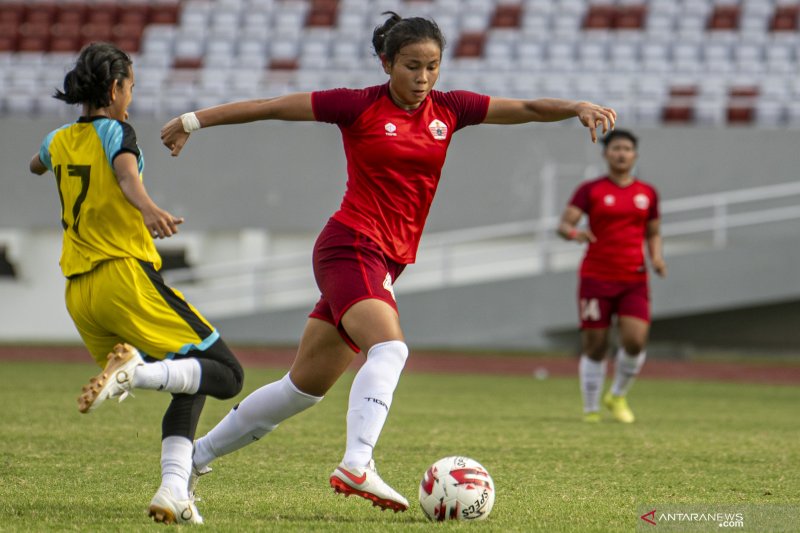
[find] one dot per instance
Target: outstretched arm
(513, 111)
(296, 106)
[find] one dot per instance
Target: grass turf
(693, 443)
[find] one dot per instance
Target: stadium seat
(470, 45)
(769, 114)
(20, 102)
(506, 16)
(647, 113)
(741, 104)
(785, 19)
(677, 112)
(793, 114)
(724, 17)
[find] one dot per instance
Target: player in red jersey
(623, 213)
(395, 139)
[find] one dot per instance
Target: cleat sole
(340, 487)
(161, 515)
(91, 391)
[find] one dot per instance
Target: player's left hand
(593, 116)
(160, 223)
(660, 267)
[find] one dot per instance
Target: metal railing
(499, 251)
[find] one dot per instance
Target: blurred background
(711, 87)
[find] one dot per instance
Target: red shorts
(349, 267)
(599, 299)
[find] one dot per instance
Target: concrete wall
(290, 177)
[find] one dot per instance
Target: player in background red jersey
(622, 212)
(395, 139)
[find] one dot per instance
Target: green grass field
(693, 443)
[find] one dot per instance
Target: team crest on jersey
(391, 129)
(387, 284)
(641, 201)
(609, 199)
(438, 129)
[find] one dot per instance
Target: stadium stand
(707, 62)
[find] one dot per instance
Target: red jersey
(618, 218)
(394, 158)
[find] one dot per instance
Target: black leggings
(222, 378)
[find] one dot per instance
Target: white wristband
(190, 122)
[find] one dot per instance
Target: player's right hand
(173, 136)
(660, 267)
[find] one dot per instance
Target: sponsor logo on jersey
(438, 129)
(641, 201)
(391, 129)
(609, 199)
(387, 284)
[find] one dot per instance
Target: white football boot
(168, 510)
(366, 482)
(116, 379)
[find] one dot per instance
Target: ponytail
(397, 32)
(98, 65)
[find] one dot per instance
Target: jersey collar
(93, 118)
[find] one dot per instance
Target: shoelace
(198, 474)
(125, 383)
(125, 395)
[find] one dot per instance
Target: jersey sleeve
(44, 151)
(470, 108)
(580, 198)
(342, 106)
(118, 137)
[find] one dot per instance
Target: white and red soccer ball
(456, 488)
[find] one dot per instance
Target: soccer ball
(456, 488)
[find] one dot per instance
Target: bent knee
(235, 381)
(221, 380)
(633, 347)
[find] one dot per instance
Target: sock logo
(378, 401)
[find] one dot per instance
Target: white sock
(371, 398)
(254, 417)
(591, 374)
(176, 376)
(176, 465)
(628, 367)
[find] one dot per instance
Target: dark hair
(98, 65)
(620, 134)
(398, 32)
